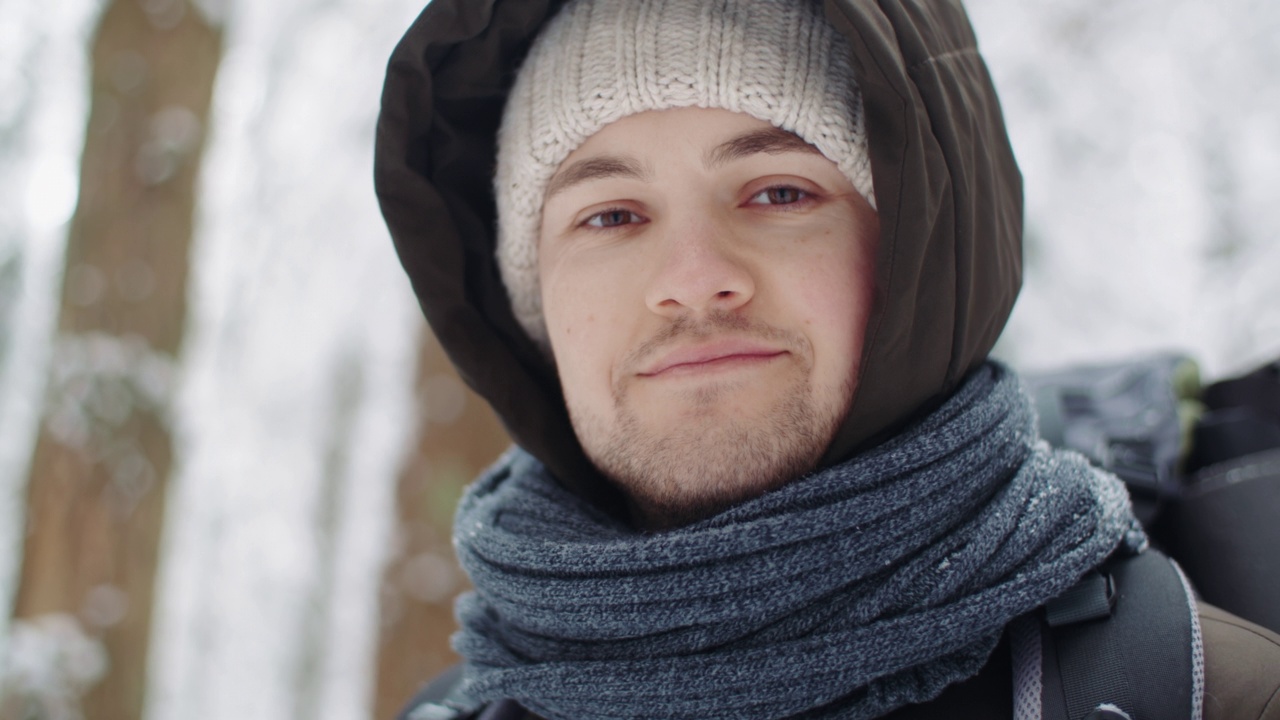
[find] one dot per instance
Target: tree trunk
(458, 437)
(96, 491)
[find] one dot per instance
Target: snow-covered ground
(1149, 136)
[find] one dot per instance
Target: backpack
(1203, 469)
(1202, 465)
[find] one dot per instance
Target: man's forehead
(769, 141)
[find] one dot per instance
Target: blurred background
(229, 448)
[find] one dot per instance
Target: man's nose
(699, 270)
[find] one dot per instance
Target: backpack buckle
(1092, 598)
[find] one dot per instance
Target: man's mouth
(711, 356)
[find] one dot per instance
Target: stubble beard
(678, 473)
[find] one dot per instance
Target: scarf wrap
(846, 593)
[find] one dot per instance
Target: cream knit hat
(599, 61)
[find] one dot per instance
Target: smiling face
(706, 282)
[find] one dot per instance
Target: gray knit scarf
(846, 593)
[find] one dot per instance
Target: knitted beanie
(598, 61)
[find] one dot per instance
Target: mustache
(716, 323)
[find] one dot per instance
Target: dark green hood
(948, 191)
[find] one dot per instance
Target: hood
(948, 191)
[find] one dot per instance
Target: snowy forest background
(228, 447)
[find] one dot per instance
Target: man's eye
(779, 196)
(612, 218)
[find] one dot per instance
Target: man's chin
(668, 511)
(679, 464)
(677, 481)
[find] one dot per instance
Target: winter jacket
(949, 197)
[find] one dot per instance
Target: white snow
(1149, 138)
(44, 84)
(49, 662)
(298, 381)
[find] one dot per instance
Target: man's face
(706, 281)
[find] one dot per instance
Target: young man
(732, 287)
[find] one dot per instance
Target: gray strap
(1024, 647)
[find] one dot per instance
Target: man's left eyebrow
(770, 141)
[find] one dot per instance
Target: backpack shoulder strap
(1123, 644)
(443, 699)
(440, 699)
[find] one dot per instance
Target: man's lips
(709, 355)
